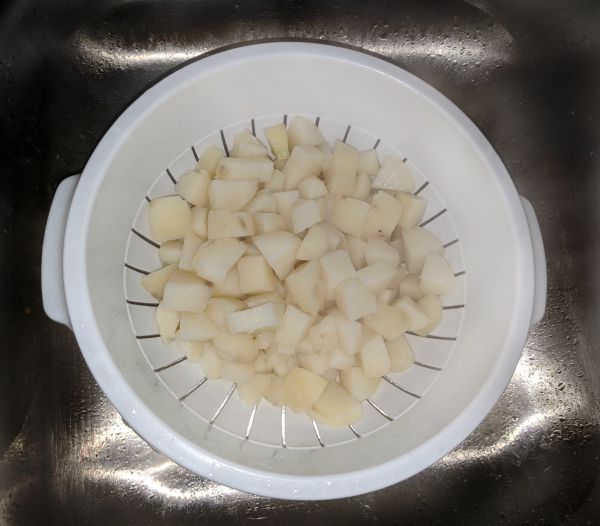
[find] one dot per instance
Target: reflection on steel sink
(528, 77)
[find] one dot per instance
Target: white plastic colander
(97, 246)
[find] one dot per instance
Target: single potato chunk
(246, 168)
(417, 243)
(388, 321)
(400, 353)
(193, 187)
(303, 132)
(312, 188)
(349, 215)
(266, 316)
(279, 249)
(355, 300)
(368, 162)
(252, 390)
(219, 309)
(314, 245)
(336, 267)
(414, 318)
(377, 276)
(185, 292)
(214, 259)
(268, 222)
(379, 250)
(394, 174)
(358, 384)
(231, 195)
(305, 161)
(340, 173)
(306, 287)
(302, 388)
(305, 213)
(236, 348)
(170, 251)
(255, 275)
(432, 307)
(196, 327)
(336, 407)
(154, 283)
(413, 209)
(170, 218)
(278, 140)
(167, 322)
(294, 327)
(210, 159)
(374, 357)
(200, 221)
(437, 277)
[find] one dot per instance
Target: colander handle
(539, 263)
(53, 286)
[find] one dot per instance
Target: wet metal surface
(529, 77)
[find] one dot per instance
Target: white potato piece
(303, 132)
(323, 335)
(246, 168)
(283, 367)
(377, 276)
(400, 353)
(415, 319)
(305, 161)
(263, 202)
(191, 244)
(362, 189)
(200, 221)
(214, 259)
(432, 307)
(437, 276)
(276, 182)
(336, 407)
(349, 333)
(340, 174)
(413, 209)
(274, 393)
(231, 195)
(210, 159)
(314, 244)
(294, 327)
(417, 243)
(170, 218)
(167, 322)
(196, 327)
(410, 286)
(318, 363)
(266, 316)
(354, 300)
(389, 321)
(236, 348)
(238, 372)
(327, 152)
(379, 250)
(335, 236)
(311, 188)
(394, 174)
(306, 287)
(192, 350)
(374, 357)
(193, 187)
(302, 388)
(210, 362)
(246, 145)
(186, 292)
(356, 251)
(305, 213)
(284, 202)
(387, 296)
(170, 251)
(260, 364)
(230, 286)
(269, 222)
(265, 338)
(255, 275)
(260, 299)
(384, 214)
(219, 309)
(278, 140)
(252, 390)
(336, 267)
(154, 283)
(368, 162)
(279, 249)
(358, 384)
(349, 215)
(339, 360)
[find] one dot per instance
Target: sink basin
(529, 77)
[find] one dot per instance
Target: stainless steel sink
(528, 76)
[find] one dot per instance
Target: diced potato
(305, 161)
(266, 316)
(379, 250)
(340, 360)
(340, 173)
(384, 214)
(311, 188)
(414, 317)
(218, 309)
(279, 249)
(261, 299)
(437, 276)
(387, 296)
(335, 236)
(246, 168)
(336, 407)
(255, 275)
(362, 189)
(252, 390)
(192, 350)
(238, 373)
(263, 202)
(302, 388)
(260, 364)
(284, 202)
(170, 251)
(167, 322)
(396, 244)
(389, 321)
(358, 384)
(154, 283)
(410, 286)
(185, 292)
(230, 286)
(354, 300)
(268, 222)
(400, 353)
(274, 393)
(377, 276)
(336, 267)
(276, 182)
(305, 213)
(245, 144)
(283, 367)
(394, 175)
(210, 362)
(368, 163)
(327, 153)
(200, 221)
(323, 335)
(196, 327)
(374, 357)
(231, 195)
(413, 208)
(349, 333)
(318, 363)
(306, 287)
(236, 348)
(170, 218)
(417, 243)
(210, 159)
(278, 140)
(264, 339)
(294, 327)
(356, 250)
(303, 132)
(214, 259)
(432, 307)
(314, 244)
(193, 187)
(349, 215)
(191, 244)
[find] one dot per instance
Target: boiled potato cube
(231, 195)
(363, 187)
(305, 161)
(327, 153)
(170, 218)
(377, 276)
(278, 140)
(318, 363)
(349, 333)
(264, 339)
(255, 275)
(186, 292)
(374, 357)
(340, 174)
(338, 359)
(274, 393)
(413, 208)
(305, 213)
(336, 407)
(279, 249)
(260, 364)
(311, 188)
(170, 251)
(261, 299)
(323, 335)
(354, 299)
(263, 202)
(224, 224)
(368, 163)
(245, 144)
(336, 267)
(252, 390)
(384, 214)
(214, 259)
(284, 202)
(154, 283)
(389, 321)
(191, 244)
(417, 243)
(335, 236)
(266, 316)
(219, 309)
(276, 182)
(410, 286)
(236, 348)
(268, 222)
(238, 372)
(210, 362)
(414, 317)
(294, 327)
(193, 187)
(314, 245)
(400, 353)
(210, 159)
(358, 384)
(306, 287)
(379, 250)
(230, 286)
(246, 168)
(302, 388)
(394, 175)
(432, 307)
(200, 221)
(167, 322)
(437, 277)
(349, 215)
(356, 250)
(196, 327)
(303, 132)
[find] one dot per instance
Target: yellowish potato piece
(336, 407)
(302, 388)
(394, 175)
(260, 364)
(312, 188)
(246, 168)
(284, 202)
(191, 244)
(276, 182)
(400, 353)
(214, 259)
(432, 307)
(383, 216)
(231, 195)
(167, 322)
(255, 275)
(417, 243)
(236, 348)
(358, 384)
(336, 267)
(274, 393)
(154, 283)
(323, 335)
(294, 327)
(368, 163)
(413, 209)
(251, 390)
(349, 333)
(263, 202)
(437, 276)
(414, 317)
(304, 132)
(230, 286)
(279, 249)
(238, 372)
(268, 222)
(265, 338)
(304, 162)
(193, 187)
(305, 213)
(200, 221)
(278, 140)
(389, 321)
(306, 287)
(379, 250)
(349, 215)
(354, 300)
(170, 251)
(170, 218)
(196, 327)
(218, 309)
(374, 357)
(314, 245)
(362, 189)
(210, 159)
(377, 276)
(340, 174)
(318, 363)
(266, 316)
(185, 291)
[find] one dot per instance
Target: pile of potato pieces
(295, 271)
